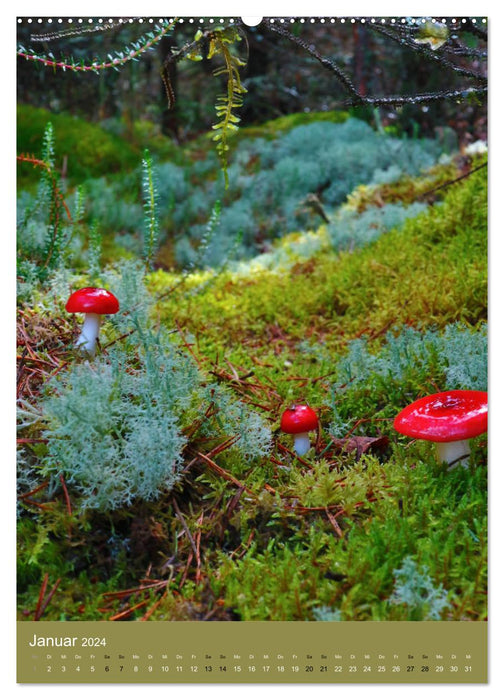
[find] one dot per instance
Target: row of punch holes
(249, 21)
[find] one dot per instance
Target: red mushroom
(449, 419)
(299, 421)
(93, 302)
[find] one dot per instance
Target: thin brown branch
(67, 497)
(224, 474)
(152, 609)
(42, 602)
(341, 76)
(428, 53)
(128, 611)
(334, 523)
(37, 162)
(452, 182)
(420, 98)
(401, 36)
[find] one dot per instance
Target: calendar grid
(175, 652)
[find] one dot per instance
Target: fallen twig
(42, 602)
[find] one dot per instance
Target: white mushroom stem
(89, 333)
(454, 453)
(301, 443)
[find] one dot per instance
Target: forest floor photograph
(252, 320)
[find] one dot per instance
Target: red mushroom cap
(298, 419)
(445, 417)
(92, 300)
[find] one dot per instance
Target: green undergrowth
(438, 519)
(428, 273)
(283, 177)
(120, 143)
(78, 142)
(154, 482)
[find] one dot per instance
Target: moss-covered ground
(281, 537)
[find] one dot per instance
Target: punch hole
(251, 21)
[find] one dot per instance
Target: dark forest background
(281, 77)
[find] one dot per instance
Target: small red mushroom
(93, 302)
(299, 421)
(449, 419)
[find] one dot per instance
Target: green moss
(430, 272)
(285, 123)
(405, 190)
(89, 150)
(437, 518)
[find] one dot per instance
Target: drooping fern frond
(220, 42)
(151, 215)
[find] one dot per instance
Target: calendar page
(252, 349)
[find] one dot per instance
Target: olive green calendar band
(252, 652)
